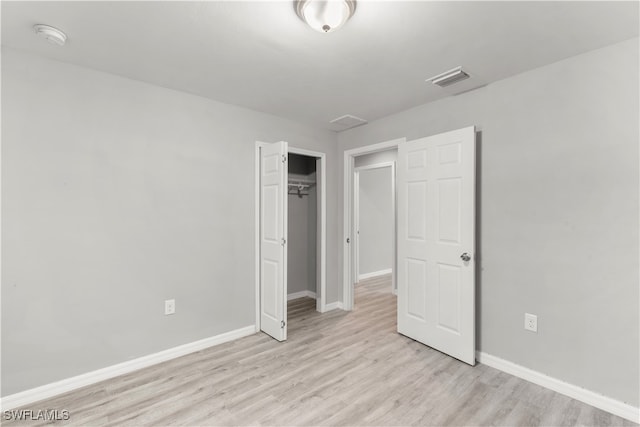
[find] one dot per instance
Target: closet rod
(300, 184)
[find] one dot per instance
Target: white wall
(557, 213)
(297, 244)
(117, 195)
(375, 220)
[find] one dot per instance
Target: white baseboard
(53, 389)
(374, 274)
(597, 400)
(301, 294)
(333, 306)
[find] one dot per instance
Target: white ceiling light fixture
(325, 16)
(51, 34)
(450, 77)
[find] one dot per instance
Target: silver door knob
(465, 257)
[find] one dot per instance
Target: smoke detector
(51, 34)
(450, 77)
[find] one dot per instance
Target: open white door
(436, 242)
(273, 238)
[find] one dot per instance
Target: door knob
(465, 257)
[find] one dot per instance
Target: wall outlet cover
(169, 306)
(531, 322)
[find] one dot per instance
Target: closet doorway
(290, 243)
(302, 228)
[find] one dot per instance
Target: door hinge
(282, 323)
(284, 241)
(284, 158)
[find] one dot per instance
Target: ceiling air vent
(347, 122)
(449, 77)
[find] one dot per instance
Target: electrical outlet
(531, 322)
(169, 306)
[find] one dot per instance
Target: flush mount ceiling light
(325, 15)
(51, 34)
(449, 77)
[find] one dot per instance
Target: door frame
(348, 278)
(356, 217)
(321, 267)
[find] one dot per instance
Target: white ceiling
(261, 56)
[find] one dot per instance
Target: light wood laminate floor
(336, 368)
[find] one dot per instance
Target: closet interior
(302, 253)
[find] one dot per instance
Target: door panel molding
(272, 231)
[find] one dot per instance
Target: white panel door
(273, 237)
(436, 242)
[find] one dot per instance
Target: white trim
(333, 306)
(355, 268)
(374, 148)
(321, 302)
(597, 400)
(301, 294)
(374, 166)
(348, 164)
(394, 231)
(347, 210)
(53, 389)
(375, 274)
(256, 206)
(304, 152)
